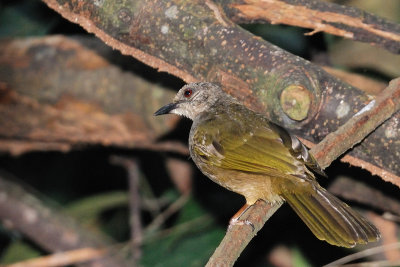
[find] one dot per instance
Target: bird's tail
(331, 219)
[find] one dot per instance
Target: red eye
(188, 92)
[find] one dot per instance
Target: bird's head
(193, 99)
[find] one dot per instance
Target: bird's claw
(236, 221)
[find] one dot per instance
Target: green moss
(118, 14)
(268, 88)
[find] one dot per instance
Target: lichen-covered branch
(48, 228)
(357, 128)
(345, 21)
(197, 41)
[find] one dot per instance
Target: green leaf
(190, 211)
(90, 208)
(299, 260)
(18, 251)
(190, 242)
(192, 249)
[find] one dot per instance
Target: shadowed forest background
(85, 164)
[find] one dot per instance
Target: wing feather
(244, 147)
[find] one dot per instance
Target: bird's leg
(235, 220)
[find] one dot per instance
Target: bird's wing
(297, 149)
(247, 147)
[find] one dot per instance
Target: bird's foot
(236, 221)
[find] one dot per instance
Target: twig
(373, 264)
(364, 253)
(131, 167)
(360, 192)
(63, 258)
(391, 217)
(134, 203)
(163, 216)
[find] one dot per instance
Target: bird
(246, 153)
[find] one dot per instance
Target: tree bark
(196, 40)
(47, 227)
(56, 94)
(345, 21)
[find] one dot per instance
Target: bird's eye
(188, 92)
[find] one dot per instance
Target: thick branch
(357, 128)
(345, 21)
(197, 41)
(46, 226)
(74, 96)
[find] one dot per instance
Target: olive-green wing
(245, 147)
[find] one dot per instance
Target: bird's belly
(252, 186)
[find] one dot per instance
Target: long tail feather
(331, 219)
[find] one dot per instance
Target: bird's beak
(166, 109)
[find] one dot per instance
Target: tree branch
(190, 40)
(131, 167)
(237, 237)
(47, 227)
(63, 258)
(74, 96)
(345, 21)
(359, 126)
(198, 41)
(367, 195)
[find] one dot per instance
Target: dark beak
(166, 109)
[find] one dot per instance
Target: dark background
(69, 180)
